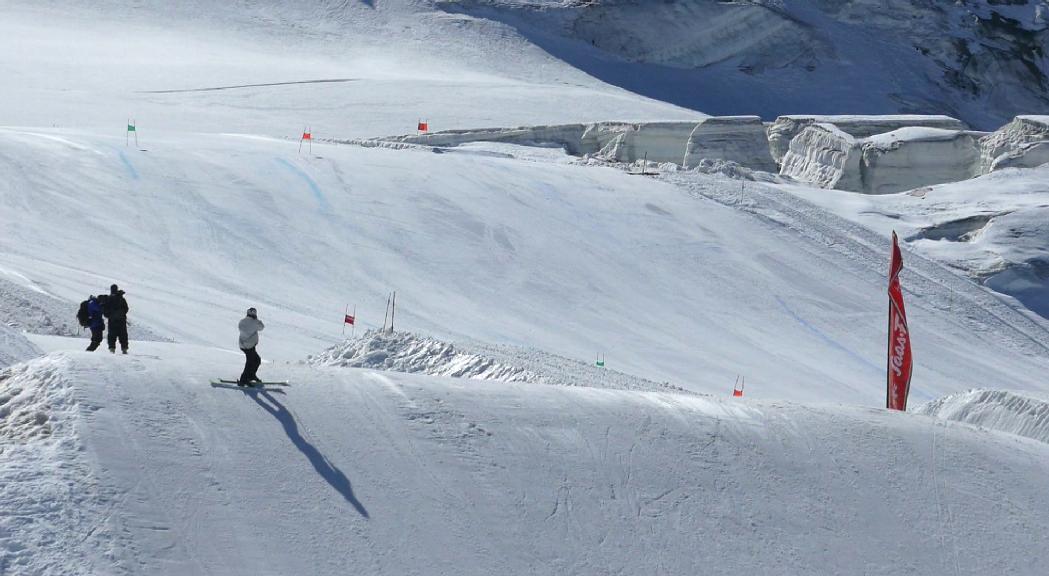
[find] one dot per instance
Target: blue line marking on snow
(127, 164)
(317, 193)
(827, 339)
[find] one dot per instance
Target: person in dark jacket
(115, 309)
(96, 322)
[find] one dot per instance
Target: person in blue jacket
(96, 322)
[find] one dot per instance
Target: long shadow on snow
(326, 469)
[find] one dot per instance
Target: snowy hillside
(480, 438)
(983, 61)
(139, 467)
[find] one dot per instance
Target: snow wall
(739, 139)
(786, 128)
(1022, 143)
(895, 161)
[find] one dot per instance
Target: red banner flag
(900, 361)
(424, 126)
(307, 136)
(348, 320)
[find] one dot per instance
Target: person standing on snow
(95, 322)
(115, 309)
(250, 326)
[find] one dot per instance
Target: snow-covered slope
(992, 228)
(983, 61)
(667, 282)
(138, 466)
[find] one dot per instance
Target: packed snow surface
(135, 465)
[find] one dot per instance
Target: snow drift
(412, 353)
(1020, 413)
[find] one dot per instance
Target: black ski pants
(96, 339)
(117, 330)
(252, 361)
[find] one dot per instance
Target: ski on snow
(253, 384)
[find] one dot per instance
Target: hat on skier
(113, 289)
(252, 312)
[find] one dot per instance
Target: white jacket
(249, 332)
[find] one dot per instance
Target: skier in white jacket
(250, 327)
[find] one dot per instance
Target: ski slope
(136, 465)
(667, 282)
(148, 470)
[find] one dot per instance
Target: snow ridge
(1020, 413)
(414, 353)
(49, 497)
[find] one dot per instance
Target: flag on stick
(127, 135)
(424, 126)
(737, 389)
(349, 320)
(307, 136)
(900, 362)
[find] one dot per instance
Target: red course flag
(900, 361)
(306, 136)
(424, 126)
(349, 320)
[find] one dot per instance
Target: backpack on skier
(82, 315)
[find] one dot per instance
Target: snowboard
(253, 384)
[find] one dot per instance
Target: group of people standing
(96, 310)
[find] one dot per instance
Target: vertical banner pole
(354, 329)
(345, 312)
(135, 125)
(127, 133)
(393, 310)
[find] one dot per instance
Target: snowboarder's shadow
(326, 469)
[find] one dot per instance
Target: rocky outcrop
(739, 139)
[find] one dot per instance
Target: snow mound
(1020, 413)
(1022, 143)
(412, 353)
(407, 352)
(15, 347)
(51, 519)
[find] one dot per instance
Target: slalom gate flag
(130, 127)
(349, 320)
(900, 361)
(424, 126)
(307, 136)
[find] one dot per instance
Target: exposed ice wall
(740, 139)
(785, 128)
(1022, 143)
(912, 157)
(895, 161)
(870, 154)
